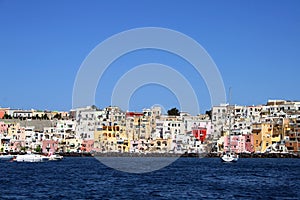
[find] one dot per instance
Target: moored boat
(31, 158)
(55, 157)
(6, 157)
(229, 157)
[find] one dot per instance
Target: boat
(31, 158)
(229, 156)
(55, 157)
(6, 157)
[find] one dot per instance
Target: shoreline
(185, 155)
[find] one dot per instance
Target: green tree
(94, 107)
(45, 117)
(57, 116)
(173, 112)
(5, 116)
(208, 112)
(38, 149)
(23, 148)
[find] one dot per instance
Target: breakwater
(75, 154)
(185, 155)
(189, 155)
(245, 155)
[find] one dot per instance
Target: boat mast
(229, 124)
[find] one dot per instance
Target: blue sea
(186, 178)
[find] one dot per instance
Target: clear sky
(255, 44)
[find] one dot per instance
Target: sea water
(186, 178)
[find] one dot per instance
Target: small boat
(6, 157)
(55, 157)
(229, 157)
(31, 158)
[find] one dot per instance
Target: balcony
(256, 127)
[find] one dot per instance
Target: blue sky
(255, 45)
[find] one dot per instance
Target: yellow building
(281, 126)
(161, 145)
(270, 132)
(97, 138)
(138, 126)
(111, 139)
(266, 135)
(257, 136)
(273, 131)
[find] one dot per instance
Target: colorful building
(257, 136)
(199, 133)
(49, 146)
(87, 145)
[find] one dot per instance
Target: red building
(134, 114)
(199, 133)
(3, 111)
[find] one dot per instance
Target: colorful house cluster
(273, 127)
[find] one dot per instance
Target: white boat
(6, 157)
(31, 158)
(229, 157)
(55, 157)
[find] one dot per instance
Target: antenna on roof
(229, 95)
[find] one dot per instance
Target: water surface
(187, 178)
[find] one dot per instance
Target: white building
(87, 121)
(22, 113)
(219, 119)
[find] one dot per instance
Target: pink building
(21, 134)
(18, 136)
(3, 127)
(49, 146)
(249, 147)
(237, 143)
(87, 145)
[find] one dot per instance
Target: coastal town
(270, 128)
